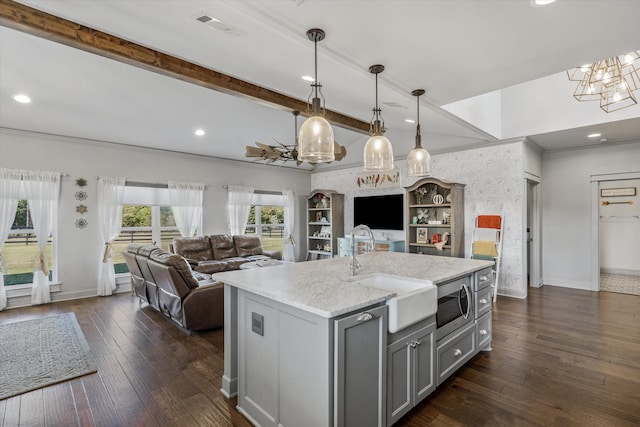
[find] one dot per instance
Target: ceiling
(453, 49)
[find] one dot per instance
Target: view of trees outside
(271, 230)
(21, 248)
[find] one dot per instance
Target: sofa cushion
(194, 249)
(235, 262)
(223, 246)
(147, 250)
(133, 248)
(247, 245)
(178, 263)
(211, 266)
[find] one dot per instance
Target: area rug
(37, 353)
(620, 283)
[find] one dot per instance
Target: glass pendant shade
(315, 138)
(419, 159)
(378, 154)
(315, 141)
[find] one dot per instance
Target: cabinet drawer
(484, 278)
(482, 301)
(455, 351)
(483, 332)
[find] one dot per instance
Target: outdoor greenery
(268, 215)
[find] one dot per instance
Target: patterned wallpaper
(494, 181)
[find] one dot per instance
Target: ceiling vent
(216, 24)
(394, 104)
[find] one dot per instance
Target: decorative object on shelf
(446, 217)
(379, 180)
(448, 197)
(318, 216)
(422, 216)
(81, 223)
(421, 235)
(315, 139)
(420, 193)
(81, 209)
(444, 240)
(438, 199)
(378, 152)
(419, 159)
(81, 195)
(610, 81)
(324, 220)
(81, 182)
(283, 152)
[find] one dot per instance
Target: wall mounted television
(384, 212)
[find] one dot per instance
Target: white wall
(567, 205)
(494, 179)
(79, 249)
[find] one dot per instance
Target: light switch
(257, 323)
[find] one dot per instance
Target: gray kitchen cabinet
(410, 369)
(297, 368)
(482, 308)
(360, 352)
(455, 350)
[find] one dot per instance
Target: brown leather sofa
(221, 252)
(166, 281)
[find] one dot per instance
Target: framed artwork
(421, 235)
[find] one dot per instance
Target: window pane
(167, 236)
(272, 229)
(120, 244)
(23, 217)
(136, 216)
(20, 252)
(166, 217)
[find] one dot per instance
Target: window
(147, 218)
(21, 249)
(145, 225)
(266, 219)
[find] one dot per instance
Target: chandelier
(284, 152)
(611, 81)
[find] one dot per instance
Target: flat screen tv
(379, 212)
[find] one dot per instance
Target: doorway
(615, 229)
(532, 233)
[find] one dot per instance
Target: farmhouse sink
(415, 300)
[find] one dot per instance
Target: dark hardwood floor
(561, 357)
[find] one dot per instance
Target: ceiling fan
(283, 152)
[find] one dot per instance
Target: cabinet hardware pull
(412, 344)
(417, 342)
(483, 332)
(483, 278)
(483, 301)
(365, 317)
(457, 353)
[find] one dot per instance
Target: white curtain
(239, 207)
(110, 196)
(186, 204)
(9, 196)
(289, 222)
(42, 190)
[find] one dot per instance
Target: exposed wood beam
(41, 24)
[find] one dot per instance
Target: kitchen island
(307, 345)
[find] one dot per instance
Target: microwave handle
(465, 289)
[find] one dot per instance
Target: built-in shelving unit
(435, 210)
(325, 223)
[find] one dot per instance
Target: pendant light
(315, 139)
(378, 152)
(419, 159)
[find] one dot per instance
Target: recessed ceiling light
(199, 132)
(541, 2)
(22, 98)
(594, 135)
(603, 139)
(308, 78)
(409, 121)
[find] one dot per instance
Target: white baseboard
(563, 283)
(626, 272)
(513, 293)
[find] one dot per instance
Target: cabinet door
(360, 368)
(399, 379)
(424, 362)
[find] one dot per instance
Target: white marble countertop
(322, 287)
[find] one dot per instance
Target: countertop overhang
(323, 287)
